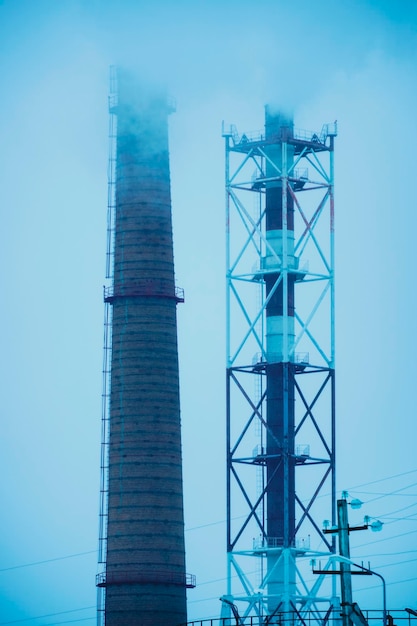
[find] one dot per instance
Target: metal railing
(150, 289)
(257, 136)
(132, 577)
(396, 617)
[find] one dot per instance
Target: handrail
(133, 576)
(258, 136)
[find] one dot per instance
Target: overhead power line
(58, 558)
(381, 480)
(72, 621)
(28, 619)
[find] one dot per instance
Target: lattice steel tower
(280, 367)
(142, 525)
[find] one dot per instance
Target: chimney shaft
(145, 564)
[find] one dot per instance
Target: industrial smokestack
(145, 577)
(285, 393)
(280, 371)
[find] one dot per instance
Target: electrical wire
(390, 584)
(71, 621)
(380, 480)
(406, 518)
(380, 496)
(392, 493)
(354, 488)
(58, 558)
(384, 493)
(28, 619)
(397, 563)
(222, 522)
(368, 543)
(404, 508)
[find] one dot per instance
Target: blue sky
(351, 61)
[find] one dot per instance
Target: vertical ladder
(104, 455)
(107, 341)
(111, 173)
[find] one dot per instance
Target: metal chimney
(280, 389)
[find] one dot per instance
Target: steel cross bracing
(270, 575)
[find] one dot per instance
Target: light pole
(363, 570)
(384, 588)
(343, 530)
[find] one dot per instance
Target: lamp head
(411, 612)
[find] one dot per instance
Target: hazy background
(354, 61)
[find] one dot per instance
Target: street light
(411, 612)
(384, 589)
(343, 531)
(365, 570)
